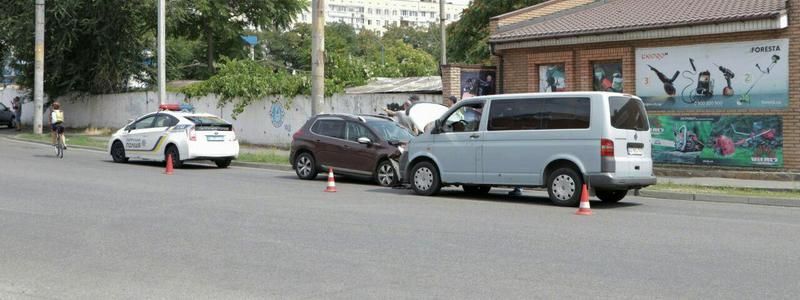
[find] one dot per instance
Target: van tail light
(192, 134)
(606, 148)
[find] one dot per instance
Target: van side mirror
(437, 127)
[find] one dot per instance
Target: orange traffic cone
(169, 164)
(584, 208)
(331, 183)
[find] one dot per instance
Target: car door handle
(475, 136)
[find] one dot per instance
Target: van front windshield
(628, 113)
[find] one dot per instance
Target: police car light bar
(185, 107)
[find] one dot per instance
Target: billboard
(477, 83)
(607, 76)
(738, 141)
(742, 75)
(552, 78)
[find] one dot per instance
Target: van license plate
(215, 138)
(635, 151)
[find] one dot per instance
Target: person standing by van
(16, 104)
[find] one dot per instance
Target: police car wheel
(118, 152)
(223, 163)
(176, 156)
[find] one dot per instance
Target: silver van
(554, 140)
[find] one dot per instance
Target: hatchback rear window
(208, 123)
(628, 113)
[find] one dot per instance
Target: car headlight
(402, 149)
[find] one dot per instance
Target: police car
(177, 131)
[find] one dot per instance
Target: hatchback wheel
(386, 175)
(305, 166)
(425, 179)
(564, 187)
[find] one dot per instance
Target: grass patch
(97, 142)
(265, 156)
(724, 190)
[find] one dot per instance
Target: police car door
(135, 139)
(156, 136)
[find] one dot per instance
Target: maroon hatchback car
(363, 146)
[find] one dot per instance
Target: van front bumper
(609, 181)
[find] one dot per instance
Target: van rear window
(540, 114)
(628, 113)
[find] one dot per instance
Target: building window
(369, 10)
(386, 12)
(394, 12)
(448, 16)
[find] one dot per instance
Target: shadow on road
(157, 164)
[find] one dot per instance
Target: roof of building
(419, 85)
(604, 16)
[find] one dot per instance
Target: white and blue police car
(175, 130)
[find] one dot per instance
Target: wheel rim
(423, 179)
(563, 187)
(304, 166)
(117, 152)
(386, 175)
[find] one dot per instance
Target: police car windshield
(390, 131)
(206, 121)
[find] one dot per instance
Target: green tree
(219, 23)
(91, 46)
(468, 38)
(427, 39)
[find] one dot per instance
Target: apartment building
(376, 14)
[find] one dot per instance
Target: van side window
(330, 128)
(465, 119)
(538, 114)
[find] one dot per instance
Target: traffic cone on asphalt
(331, 183)
(169, 165)
(584, 208)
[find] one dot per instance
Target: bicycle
(60, 145)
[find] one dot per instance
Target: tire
(610, 196)
(385, 174)
(477, 189)
(118, 152)
(305, 166)
(177, 163)
(425, 179)
(564, 187)
(223, 163)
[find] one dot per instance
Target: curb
(233, 163)
(785, 202)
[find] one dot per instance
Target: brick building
(716, 75)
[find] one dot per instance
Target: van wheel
(610, 196)
(425, 179)
(564, 187)
(477, 189)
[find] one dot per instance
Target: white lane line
(46, 145)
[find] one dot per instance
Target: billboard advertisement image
(477, 83)
(552, 78)
(607, 77)
(742, 75)
(737, 141)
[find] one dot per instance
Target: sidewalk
(730, 182)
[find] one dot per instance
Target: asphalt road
(86, 228)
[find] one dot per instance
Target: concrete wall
(268, 121)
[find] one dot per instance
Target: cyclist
(56, 124)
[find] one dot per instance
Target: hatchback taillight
(606, 148)
(192, 135)
(297, 134)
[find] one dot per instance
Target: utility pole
(38, 76)
(162, 53)
(317, 56)
(444, 32)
